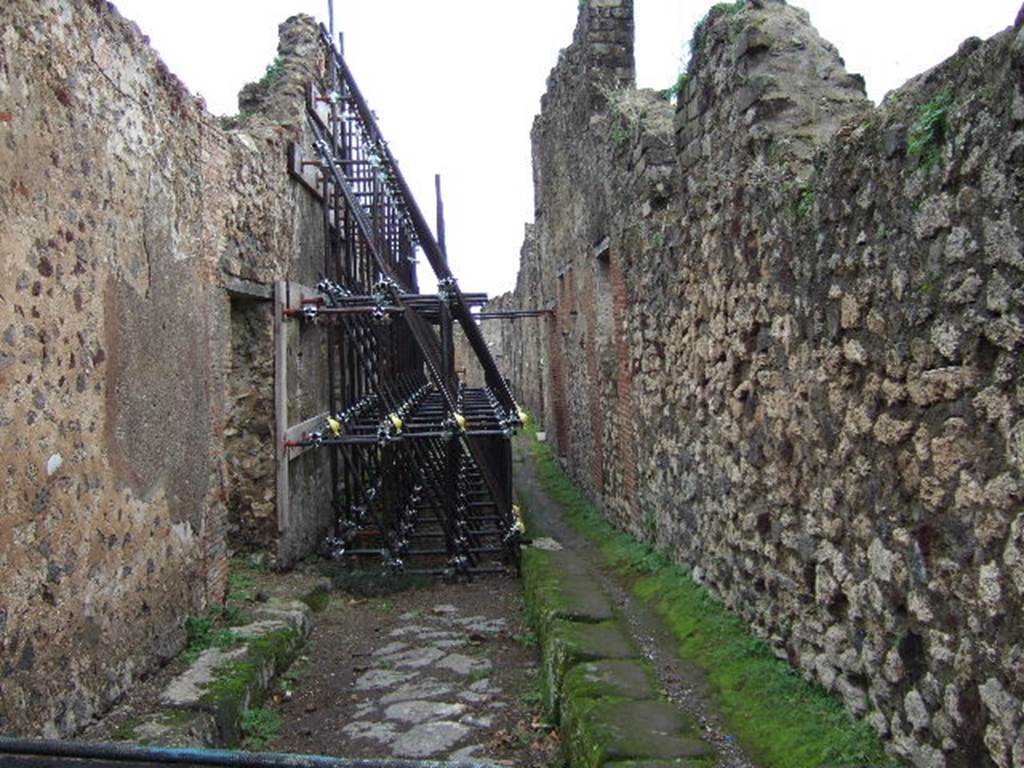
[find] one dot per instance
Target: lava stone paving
(446, 671)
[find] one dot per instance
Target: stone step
(204, 706)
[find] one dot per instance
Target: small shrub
(198, 630)
(202, 634)
(672, 92)
(527, 639)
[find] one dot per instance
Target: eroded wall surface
(126, 212)
(787, 350)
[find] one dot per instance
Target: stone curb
(596, 686)
(204, 706)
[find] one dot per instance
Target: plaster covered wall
(786, 349)
(126, 211)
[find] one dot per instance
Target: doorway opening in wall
(248, 430)
(604, 364)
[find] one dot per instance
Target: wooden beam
(286, 296)
(281, 403)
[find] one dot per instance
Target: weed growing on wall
(929, 133)
(274, 70)
(672, 92)
(700, 28)
(626, 109)
(805, 203)
(619, 134)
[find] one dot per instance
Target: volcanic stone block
(569, 643)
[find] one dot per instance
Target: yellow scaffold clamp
(396, 422)
(335, 426)
(460, 420)
(519, 525)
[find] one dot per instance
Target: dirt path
(443, 671)
(682, 682)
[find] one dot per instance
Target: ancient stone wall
(787, 350)
(138, 237)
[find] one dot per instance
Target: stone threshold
(205, 705)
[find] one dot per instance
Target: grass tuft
(781, 719)
(259, 727)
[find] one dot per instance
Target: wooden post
(281, 402)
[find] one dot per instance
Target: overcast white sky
(456, 83)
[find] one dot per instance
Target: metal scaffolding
(421, 468)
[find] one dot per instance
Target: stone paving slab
(611, 678)
(429, 739)
(598, 731)
(185, 729)
(559, 586)
(295, 613)
(420, 697)
(569, 643)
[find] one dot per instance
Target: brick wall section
(592, 344)
(821, 354)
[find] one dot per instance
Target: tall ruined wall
(127, 213)
(787, 350)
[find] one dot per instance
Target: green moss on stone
(277, 647)
(316, 599)
(558, 585)
(694, 762)
(127, 731)
(176, 717)
(232, 685)
(596, 731)
(540, 588)
(623, 679)
(569, 643)
(782, 720)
